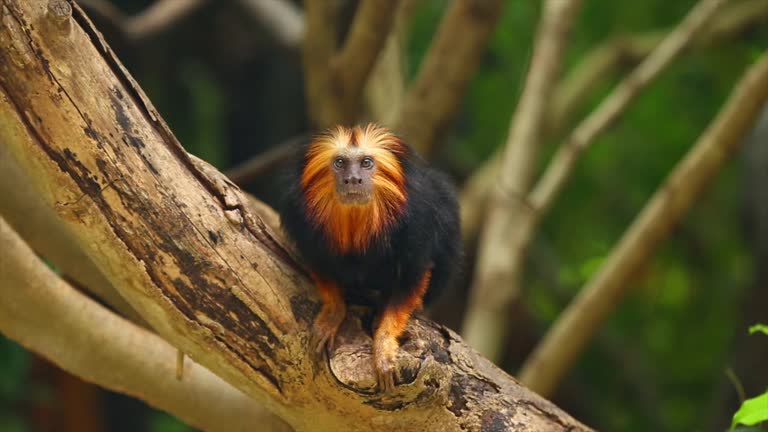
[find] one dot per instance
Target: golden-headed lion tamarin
(366, 215)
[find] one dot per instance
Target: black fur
(427, 235)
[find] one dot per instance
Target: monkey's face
(353, 170)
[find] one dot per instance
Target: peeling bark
(182, 245)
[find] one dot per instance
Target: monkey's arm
(331, 314)
(391, 325)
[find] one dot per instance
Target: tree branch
(371, 27)
(575, 326)
(180, 244)
(283, 20)
(482, 328)
(91, 342)
(454, 55)
(41, 228)
(731, 22)
(153, 20)
(623, 51)
(616, 103)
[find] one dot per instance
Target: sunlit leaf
(761, 328)
(752, 411)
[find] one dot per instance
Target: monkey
(367, 214)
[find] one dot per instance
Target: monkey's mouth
(354, 196)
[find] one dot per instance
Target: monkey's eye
(338, 163)
(367, 163)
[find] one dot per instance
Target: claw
(387, 372)
(327, 326)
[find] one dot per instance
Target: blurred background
(676, 354)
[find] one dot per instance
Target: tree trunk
(182, 245)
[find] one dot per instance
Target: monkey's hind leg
(391, 325)
(331, 314)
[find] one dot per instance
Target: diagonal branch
(353, 64)
(93, 343)
(577, 324)
(454, 55)
(283, 20)
(500, 279)
(181, 245)
(597, 66)
(483, 329)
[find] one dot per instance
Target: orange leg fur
(331, 314)
(392, 324)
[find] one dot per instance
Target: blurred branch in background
(114, 353)
(620, 52)
(334, 79)
(153, 20)
(577, 324)
(283, 20)
(601, 63)
(453, 57)
(485, 331)
(510, 228)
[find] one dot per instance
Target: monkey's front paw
(387, 372)
(326, 327)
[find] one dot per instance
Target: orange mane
(351, 228)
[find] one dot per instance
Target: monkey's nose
(353, 180)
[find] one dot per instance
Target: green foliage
(752, 411)
(162, 422)
(759, 328)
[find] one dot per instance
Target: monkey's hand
(327, 325)
(331, 314)
(385, 348)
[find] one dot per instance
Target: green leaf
(762, 328)
(752, 411)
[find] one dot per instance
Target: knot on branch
(424, 349)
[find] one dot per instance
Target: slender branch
(577, 324)
(282, 19)
(264, 163)
(155, 19)
(385, 91)
(454, 55)
(616, 103)
(352, 66)
(319, 48)
(500, 277)
(93, 343)
(595, 68)
(159, 16)
(515, 177)
(620, 52)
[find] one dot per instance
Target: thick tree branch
(179, 243)
(483, 328)
(41, 228)
(578, 323)
(93, 343)
(455, 54)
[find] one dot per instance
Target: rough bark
(129, 359)
(182, 246)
